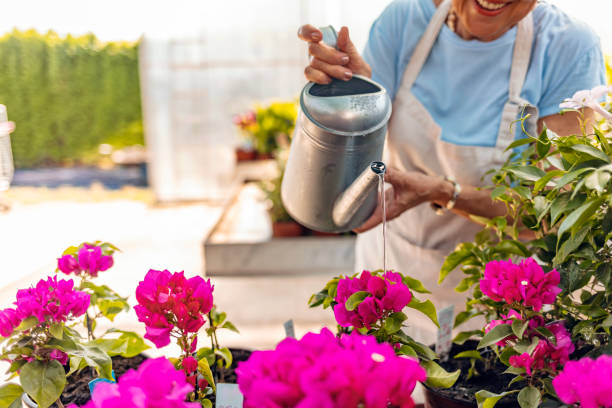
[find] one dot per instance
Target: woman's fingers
(377, 216)
(327, 54)
(309, 33)
(335, 71)
(316, 76)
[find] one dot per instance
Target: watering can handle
(330, 36)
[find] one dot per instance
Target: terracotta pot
(286, 229)
(325, 234)
(264, 156)
(245, 155)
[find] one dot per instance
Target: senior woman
(459, 72)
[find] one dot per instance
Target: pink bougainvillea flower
(190, 364)
(68, 264)
(547, 354)
(155, 384)
(386, 294)
(589, 98)
(9, 320)
(321, 370)
(168, 300)
(587, 382)
(91, 260)
(522, 360)
(52, 300)
(525, 283)
(59, 356)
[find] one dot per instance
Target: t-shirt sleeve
(571, 71)
(382, 49)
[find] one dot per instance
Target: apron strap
(421, 51)
(517, 107)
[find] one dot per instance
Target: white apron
(419, 239)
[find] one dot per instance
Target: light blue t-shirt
(464, 84)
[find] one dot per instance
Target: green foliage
(68, 95)
(272, 191)
(44, 381)
(10, 396)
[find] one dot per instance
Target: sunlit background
(126, 132)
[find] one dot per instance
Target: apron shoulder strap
(423, 47)
(517, 107)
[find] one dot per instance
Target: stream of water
(381, 182)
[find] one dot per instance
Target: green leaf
(555, 161)
(597, 180)
(498, 191)
(112, 307)
(543, 144)
(135, 344)
(91, 354)
(577, 217)
(550, 336)
(512, 247)
(425, 307)
(230, 326)
(44, 381)
(406, 350)
(394, 322)
(27, 323)
(515, 370)
(519, 327)
(57, 330)
(487, 399)
(571, 176)
(226, 355)
(414, 284)
(465, 336)
(9, 393)
(496, 334)
(462, 253)
(590, 151)
(469, 354)
(570, 245)
(519, 142)
(71, 250)
(206, 403)
(204, 369)
(355, 300)
(464, 316)
(541, 183)
(438, 377)
(530, 173)
(529, 397)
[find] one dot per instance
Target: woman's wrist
(442, 192)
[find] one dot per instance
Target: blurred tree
(68, 95)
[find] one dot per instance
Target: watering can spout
(350, 201)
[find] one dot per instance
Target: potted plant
(42, 347)
(545, 300)
(322, 370)
(268, 128)
(155, 383)
(282, 223)
(246, 124)
(372, 303)
(171, 305)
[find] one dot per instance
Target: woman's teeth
(490, 6)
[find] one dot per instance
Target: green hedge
(68, 95)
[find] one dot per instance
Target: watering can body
(334, 164)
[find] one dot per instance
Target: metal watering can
(334, 163)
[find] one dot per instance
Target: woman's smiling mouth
(490, 8)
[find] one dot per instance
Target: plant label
(289, 329)
(228, 396)
(445, 332)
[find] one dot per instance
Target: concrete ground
(42, 223)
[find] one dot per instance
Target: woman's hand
(327, 62)
(408, 189)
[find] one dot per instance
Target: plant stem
(59, 403)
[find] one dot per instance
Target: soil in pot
(462, 393)
(286, 229)
(77, 386)
(245, 154)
